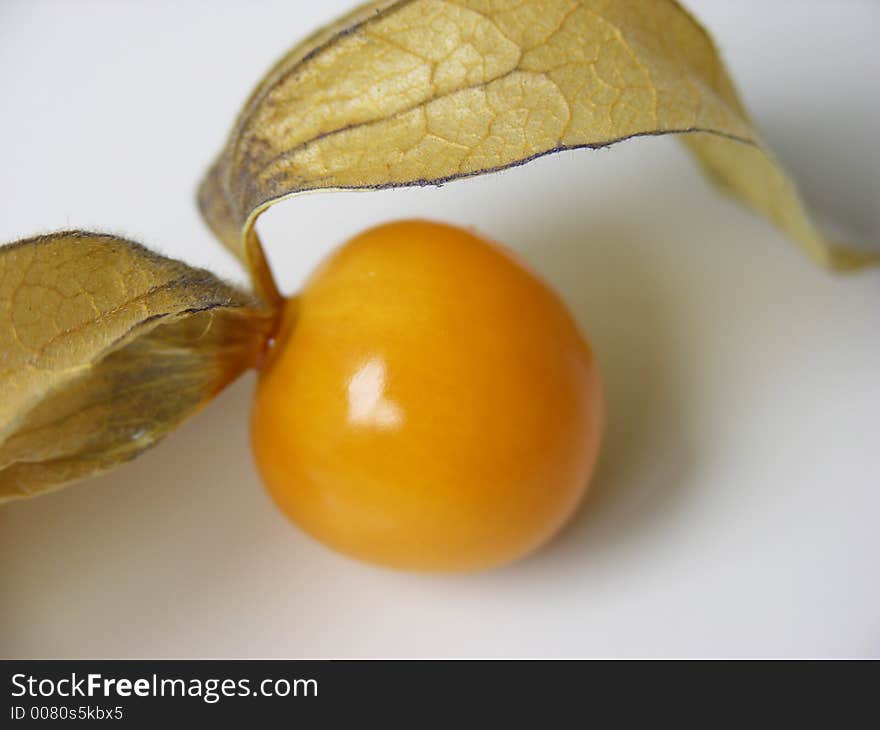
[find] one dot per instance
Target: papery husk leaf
(105, 347)
(418, 92)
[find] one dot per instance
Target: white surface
(736, 509)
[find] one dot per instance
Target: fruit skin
(429, 403)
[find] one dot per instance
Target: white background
(737, 506)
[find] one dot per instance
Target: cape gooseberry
(428, 403)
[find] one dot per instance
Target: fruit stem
(261, 274)
(283, 327)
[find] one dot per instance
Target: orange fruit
(428, 404)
